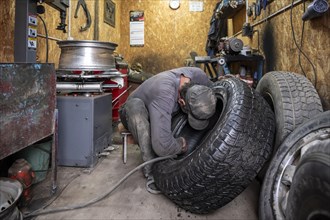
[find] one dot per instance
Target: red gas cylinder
(21, 170)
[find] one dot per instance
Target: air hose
(97, 199)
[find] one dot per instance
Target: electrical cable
(101, 197)
(302, 40)
(295, 41)
(46, 32)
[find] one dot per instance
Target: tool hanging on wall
(83, 4)
(257, 9)
(61, 6)
(264, 4)
(315, 9)
(252, 11)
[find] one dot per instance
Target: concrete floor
(130, 200)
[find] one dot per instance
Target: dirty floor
(130, 200)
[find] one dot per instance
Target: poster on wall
(196, 6)
(110, 12)
(136, 26)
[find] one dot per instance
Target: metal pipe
(79, 86)
(54, 152)
(246, 9)
(113, 101)
(96, 20)
(69, 22)
(272, 15)
(52, 38)
(278, 12)
(89, 87)
(110, 86)
(82, 76)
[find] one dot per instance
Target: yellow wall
(277, 45)
(51, 17)
(170, 35)
(7, 15)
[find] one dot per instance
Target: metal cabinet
(84, 128)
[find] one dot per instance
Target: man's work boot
(151, 186)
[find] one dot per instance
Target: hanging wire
(299, 47)
(46, 32)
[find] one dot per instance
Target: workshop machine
(85, 78)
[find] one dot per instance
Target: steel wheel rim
(292, 158)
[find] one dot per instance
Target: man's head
(199, 102)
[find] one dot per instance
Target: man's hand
(184, 145)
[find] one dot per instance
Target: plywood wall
(52, 18)
(7, 15)
(170, 35)
(104, 32)
(280, 51)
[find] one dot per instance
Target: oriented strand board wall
(170, 35)
(281, 53)
(105, 32)
(52, 19)
(7, 14)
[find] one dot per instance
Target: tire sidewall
(288, 147)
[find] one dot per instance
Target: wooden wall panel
(106, 32)
(170, 35)
(7, 14)
(281, 53)
(52, 19)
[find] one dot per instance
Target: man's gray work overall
(135, 117)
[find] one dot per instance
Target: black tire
(228, 157)
(310, 190)
(293, 99)
(276, 184)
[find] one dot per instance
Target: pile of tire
(296, 184)
(281, 122)
(226, 157)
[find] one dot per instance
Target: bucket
(38, 156)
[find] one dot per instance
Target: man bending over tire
(148, 111)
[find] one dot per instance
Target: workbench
(212, 64)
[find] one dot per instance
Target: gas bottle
(22, 171)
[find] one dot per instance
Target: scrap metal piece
(27, 105)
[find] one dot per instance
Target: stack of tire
(296, 184)
(246, 132)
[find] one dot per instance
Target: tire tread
(228, 160)
(298, 100)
